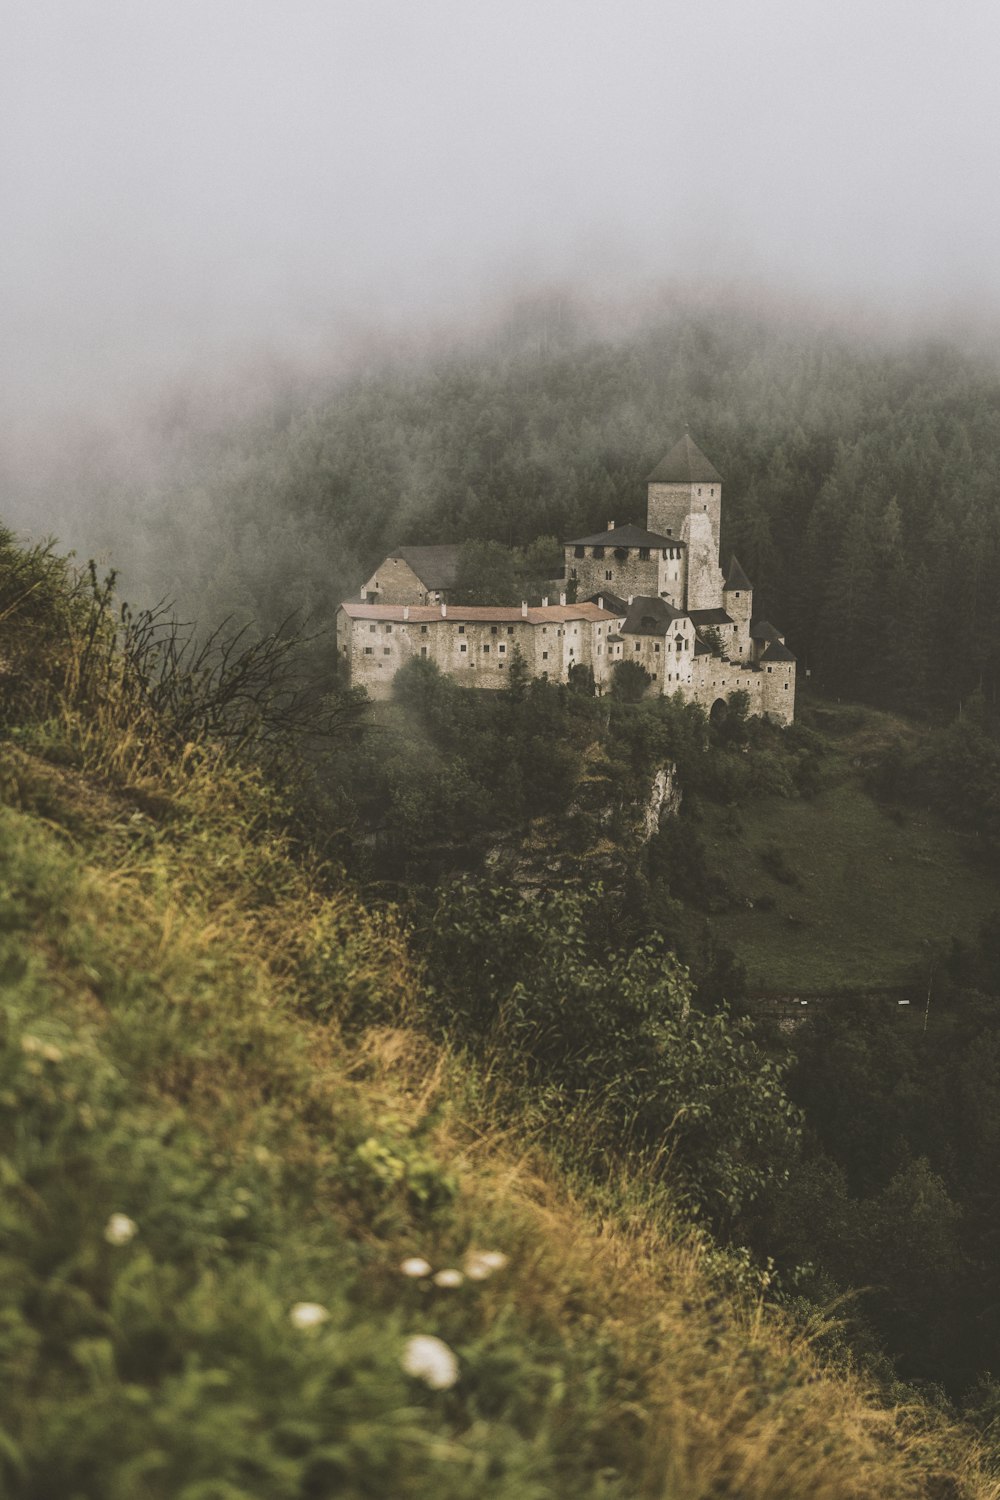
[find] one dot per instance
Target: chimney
(364, 596)
(406, 611)
(562, 598)
(611, 525)
(444, 609)
(524, 609)
(545, 602)
(600, 601)
(630, 598)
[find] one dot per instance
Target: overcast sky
(188, 176)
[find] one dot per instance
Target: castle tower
(684, 499)
(737, 601)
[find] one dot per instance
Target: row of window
(622, 553)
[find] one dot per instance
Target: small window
(644, 554)
(579, 551)
(493, 630)
(545, 656)
(510, 630)
(369, 650)
(638, 645)
(600, 650)
(656, 647)
(786, 687)
(571, 651)
(463, 648)
(461, 630)
(486, 650)
(423, 630)
(545, 630)
(386, 650)
(501, 648)
(607, 575)
(423, 651)
(388, 630)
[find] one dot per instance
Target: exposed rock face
(664, 801)
(598, 837)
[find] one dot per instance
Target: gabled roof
(436, 567)
(626, 536)
(700, 649)
(710, 617)
(777, 652)
(763, 630)
(650, 615)
(685, 464)
(736, 578)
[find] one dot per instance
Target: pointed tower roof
(736, 578)
(685, 464)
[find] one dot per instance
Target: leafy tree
(629, 681)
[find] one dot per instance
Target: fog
(201, 184)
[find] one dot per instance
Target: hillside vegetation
(230, 1115)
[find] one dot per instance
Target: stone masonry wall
(394, 582)
(667, 505)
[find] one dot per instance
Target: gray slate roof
(763, 630)
(436, 567)
(614, 602)
(685, 464)
(626, 536)
(650, 615)
(736, 578)
(710, 617)
(777, 652)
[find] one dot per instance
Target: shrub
(610, 1036)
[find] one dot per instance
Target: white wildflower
(449, 1278)
(429, 1359)
(480, 1264)
(308, 1314)
(416, 1266)
(120, 1229)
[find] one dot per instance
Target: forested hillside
(861, 486)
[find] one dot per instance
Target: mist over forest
(861, 490)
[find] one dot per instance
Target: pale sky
(181, 178)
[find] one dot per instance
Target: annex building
(654, 594)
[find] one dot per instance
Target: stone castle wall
(668, 506)
(629, 575)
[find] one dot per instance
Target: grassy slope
(172, 1047)
(875, 898)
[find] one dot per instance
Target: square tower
(684, 484)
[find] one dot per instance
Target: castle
(655, 596)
